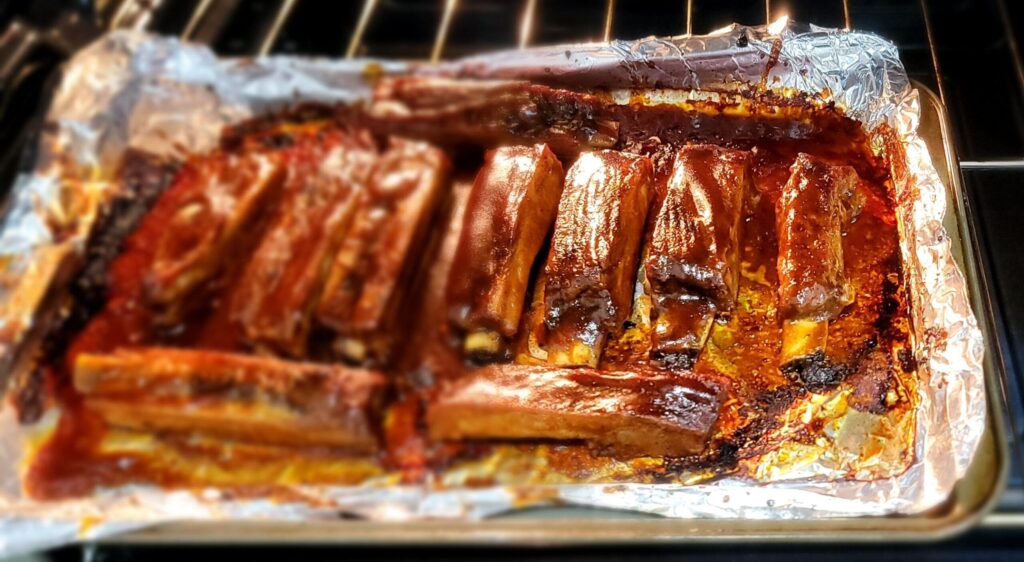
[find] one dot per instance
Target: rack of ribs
(814, 208)
(217, 200)
(362, 294)
(233, 396)
(692, 258)
(510, 211)
(280, 286)
(492, 113)
(624, 413)
(589, 276)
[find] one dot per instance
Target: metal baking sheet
(973, 497)
(560, 524)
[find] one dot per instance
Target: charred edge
(893, 304)
(816, 372)
(480, 358)
(570, 112)
(143, 178)
(277, 140)
(890, 303)
(724, 454)
(907, 361)
(28, 398)
(684, 360)
(870, 374)
(769, 406)
(871, 383)
(264, 128)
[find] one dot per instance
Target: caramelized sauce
(83, 454)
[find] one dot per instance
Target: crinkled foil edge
(161, 95)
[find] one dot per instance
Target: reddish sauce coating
(233, 395)
(362, 297)
(511, 209)
(274, 299)
(695, 242)
(738, 368)
(229, 196)
(814, 208)
(692, 259)
(626, 412)
(591, 267)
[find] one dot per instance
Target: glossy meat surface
(692, 261)
(220, 432)
(380, 252)
(213, 220)
(491, 113)
(695, 242)
(682, 324)
(812, 213)
(281, 284)
(232, 395)
(628, 413)
(592, 264)
(510, 211)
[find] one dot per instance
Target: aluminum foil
(161, 95)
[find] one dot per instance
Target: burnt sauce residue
(868, 342)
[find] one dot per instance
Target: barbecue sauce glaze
(871, 335)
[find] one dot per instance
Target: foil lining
(134, 90)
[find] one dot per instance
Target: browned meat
(428, 354)
(234, 396)
(591, 269)
(280, 286)
(871, 382)
(361, 296)
(625, 413)
(814, 208)
(692, 259)
(209, 225)
(491, 113)
(682, 324)
(510, 211)
(696, 239)
(813, 211)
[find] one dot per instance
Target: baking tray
(972, 498)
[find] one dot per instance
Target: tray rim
(588, 526)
